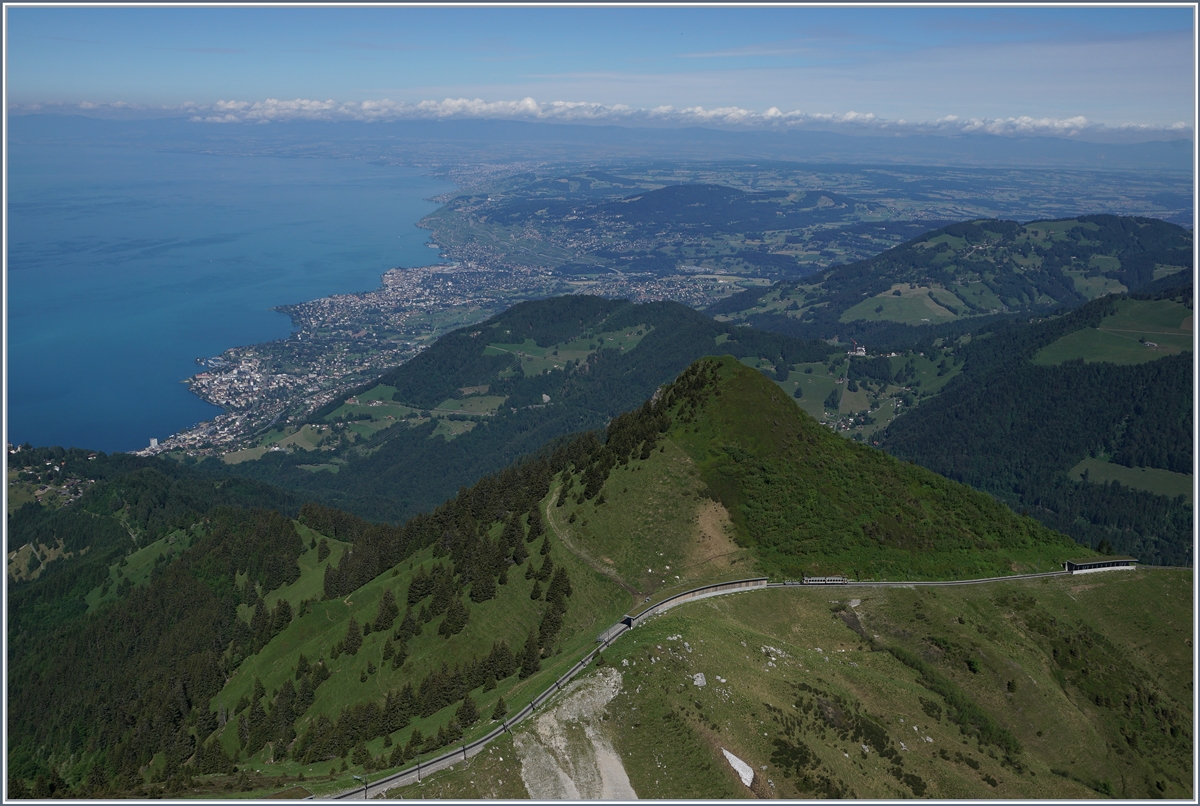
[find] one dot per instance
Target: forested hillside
(1014, 427)
(805, 501)
(535, 373)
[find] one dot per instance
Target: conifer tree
(536, 527)
(409, 626)
(500, 711)
(513, 534)
(420, 587)
(305, 695)
(281, 616)
(531, 658)
(467, 713)
(456, 618)
(353, 639)
(388, 610)
(483, 587)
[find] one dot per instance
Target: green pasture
(475, 404)
(381, 392)
(854, 402)
(535, 359)
(1139, 331)
(1096, 285)
(787, 668)
(979, 294)
(1163, 316)
(913, 306)
(1104, 263)
(365, 429)
(956, 243)
(1150, 479)
(452, 428)
(927, 379)
(307, 437)
(1161, 270)
(244, 455)
(379, 411)
(1055, 230)
(816, 387)
(19, 492)
(1091, 344)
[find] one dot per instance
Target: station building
(1098, 564)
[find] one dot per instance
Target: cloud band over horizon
(274, 110)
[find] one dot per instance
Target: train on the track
(834, 580)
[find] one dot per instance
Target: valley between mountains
(398, 572)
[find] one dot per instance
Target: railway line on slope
(466, 751)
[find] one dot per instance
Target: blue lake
(125, 265)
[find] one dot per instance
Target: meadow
(1150, 479)
(1139, 331)
(990, 692)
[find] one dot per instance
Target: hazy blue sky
(1047, 69)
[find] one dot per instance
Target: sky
(1089, 72)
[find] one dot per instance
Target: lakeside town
(343, 341)
(339, 343)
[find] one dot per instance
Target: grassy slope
(1125, 336)
(816, 504)
(656, 533)
(1080, 745)
(791, 688)
(1150, 479)
(595, 604)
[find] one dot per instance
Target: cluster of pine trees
(130, 679)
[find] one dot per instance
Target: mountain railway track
(464, 752)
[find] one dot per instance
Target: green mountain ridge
(577, 351)
(400, 626)
(970, 271)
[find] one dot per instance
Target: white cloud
(734, 117)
